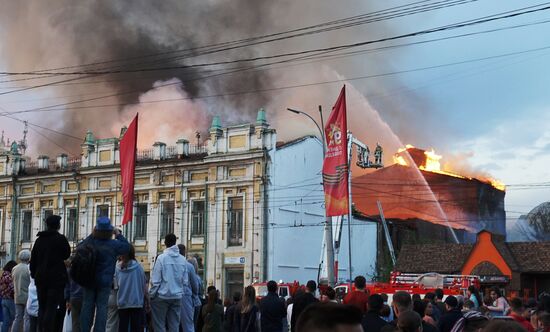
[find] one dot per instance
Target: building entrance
(234, 281)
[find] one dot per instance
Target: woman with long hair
(246, 315)
(473, 295)
(500, 305)
(132, 289)
(7, 293)
(212, 314)
(427, 313)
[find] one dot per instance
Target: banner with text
(335, 165)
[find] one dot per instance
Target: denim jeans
(166, 312)
(187, 313)
(76, 307)
(31, 324)
(94, 299)
(8, 313)
(112, 312)
(19, 316)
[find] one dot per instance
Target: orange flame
(433, 165)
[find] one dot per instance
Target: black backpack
(83, 265)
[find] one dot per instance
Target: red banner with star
(335, 165)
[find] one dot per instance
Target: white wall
(296, 216)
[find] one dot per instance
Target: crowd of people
(436, 312)
(102, 287)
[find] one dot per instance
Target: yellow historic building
(212, 196)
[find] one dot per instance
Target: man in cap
(107, 250)
(21, 279)
(451, 316)
(47, 266)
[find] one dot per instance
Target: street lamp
(321, 132)
(328, 220)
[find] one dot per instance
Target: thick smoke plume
(60, 33)
(40, 34)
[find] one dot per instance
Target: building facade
(247, 208)
(296, 217)
(211, 196)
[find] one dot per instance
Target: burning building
(424, 204)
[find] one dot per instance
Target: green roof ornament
(216, 123)
(261, 119)
(90, 139)
(14, 148)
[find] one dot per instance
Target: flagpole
(350, 147)
(328, 225)
(329, 238)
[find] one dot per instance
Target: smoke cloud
(57, 33)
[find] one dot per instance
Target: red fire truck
(418, 284)
(285, 289)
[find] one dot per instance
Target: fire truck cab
(284, 290)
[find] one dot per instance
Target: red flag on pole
(128, 146)
(335, 165)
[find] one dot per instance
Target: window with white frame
(197, 218)
(26, 225)
(45, 214)
(235, 221)
(72, 224)
(102, 211)
(140, 230)
(166, 218)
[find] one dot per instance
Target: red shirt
(357, 298)
(524, 322)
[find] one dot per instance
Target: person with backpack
(93, 267)
(48, 270)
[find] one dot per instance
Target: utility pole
(329, 238)
(329, 243)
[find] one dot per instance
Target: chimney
(183, 147)
(62, 161)
(159, 151)
(43, 162)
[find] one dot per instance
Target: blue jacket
(169, 276)
(197, 297)
(107, 251)
(131, 285)
(190, 286)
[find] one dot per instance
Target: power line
(192, 51)
(315, 58)
(51, 141)
(344, 46)
(47, 109)
(491, 17)
(42, 127)
(335, 48)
